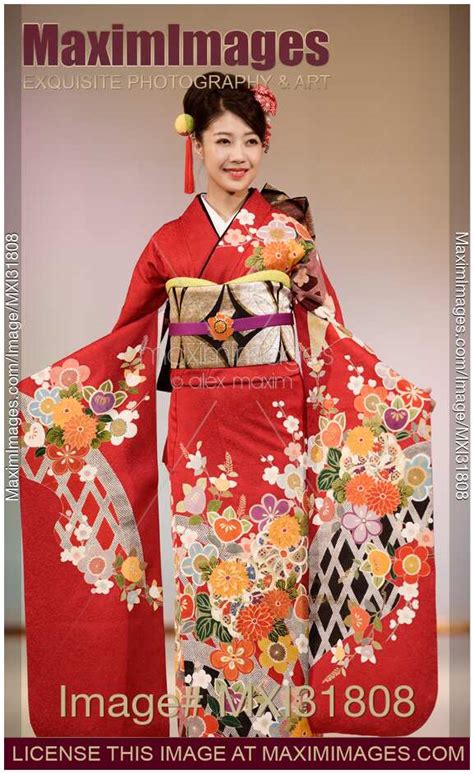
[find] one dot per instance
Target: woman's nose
(237, 153)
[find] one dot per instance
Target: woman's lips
(237, 174)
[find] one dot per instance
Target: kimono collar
(199, 229)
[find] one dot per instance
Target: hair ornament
(184, 125)
(268, 102)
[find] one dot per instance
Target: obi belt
(246, 321)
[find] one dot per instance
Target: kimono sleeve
(146, 292)
(370, 508)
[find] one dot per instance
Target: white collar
(219, 223)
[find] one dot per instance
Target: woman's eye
(253, 141)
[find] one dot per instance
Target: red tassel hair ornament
(184, 125)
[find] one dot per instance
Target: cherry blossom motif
(388, 375)
(425, 538)
(293, 451)
(43, 404)
(234, 237)
(121, 426)
(361, 522)
(408, 591)
(88, 473)
(97, 563)
(68, 373)
(83, 531)
(66, 458)
(405, 615)
(276, 231)
(73, 554)
(292, 480)
(102, 586)
(411, 563)
(301, 276)
(245, 217)
(411, 395)
(268, 508)
(291, 424)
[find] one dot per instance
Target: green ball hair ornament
(184, 124)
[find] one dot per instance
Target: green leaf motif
(221, 632)
(231, 720)
(334, 456)
(326, 478)
(55, 435)
(214, 505)
(120, 581)
(203, 603)
(40, 452)
(280, 628)
(401, 435)
(106, 386)
(104, 435)
(204, 627)
(214, 706)
(120, 396)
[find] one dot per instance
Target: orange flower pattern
(66, 420)
(363, 470)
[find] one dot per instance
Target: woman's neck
(224, 202)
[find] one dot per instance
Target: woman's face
(231, 152)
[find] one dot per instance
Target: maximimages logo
(46, 45)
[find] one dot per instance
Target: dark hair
(207, 98)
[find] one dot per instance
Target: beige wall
(103, 169)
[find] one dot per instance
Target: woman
(300, 475)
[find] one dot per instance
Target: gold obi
(264, 295)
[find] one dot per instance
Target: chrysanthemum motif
(80, 430)
(383, 497)
(284, 531)
(229, 579)
(255, 621)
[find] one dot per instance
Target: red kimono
(301, 504)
